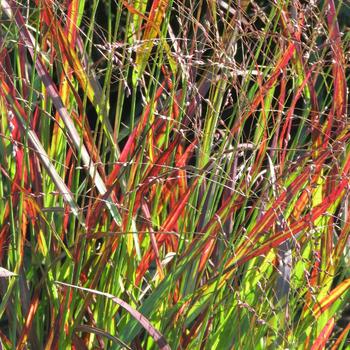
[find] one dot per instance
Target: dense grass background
(174, 174)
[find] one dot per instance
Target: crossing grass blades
(174, 174)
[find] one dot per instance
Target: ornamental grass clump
(174, 174)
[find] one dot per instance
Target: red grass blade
(322, 339)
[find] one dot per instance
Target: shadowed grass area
(174, 174)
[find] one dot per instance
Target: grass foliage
(174, 174)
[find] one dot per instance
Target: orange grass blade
(332, 297)
(341, 337)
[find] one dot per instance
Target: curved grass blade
(101, 332)
(155, 334)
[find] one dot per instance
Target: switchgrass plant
(174, 174)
